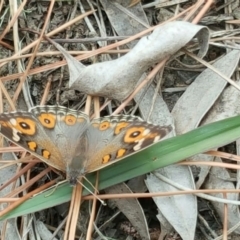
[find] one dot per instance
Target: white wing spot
(135, 134)
(15, 136)
(138, 146)
(146, 131)
(156, 139)
(13, 121)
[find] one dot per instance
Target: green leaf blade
(158, 155)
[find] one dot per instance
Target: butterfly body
(68, 140)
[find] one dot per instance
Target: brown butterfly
(69, 141)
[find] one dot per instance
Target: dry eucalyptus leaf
(43, 231)
(219, 179)
(199, 98)
(161, 116)
(116, 79)
(12, 230)
(183, 218)
(166, 227)
(227, 105)
(131, 208)
(137, 184)
(202, 93)
(201, 170)
(125, 21)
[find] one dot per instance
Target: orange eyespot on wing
(121, 152)
(134, 134)
(24, 125)
(48, 120)
(120, 126)
(32, 146)
(46, 154)
(70, 120)
(104, 126)
(106, 158)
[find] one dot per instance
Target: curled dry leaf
(116, 79)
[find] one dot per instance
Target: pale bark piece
(131, 208)
(202, 94)
(219, 179)
(116, 79)
(183, 219)
(160, 115)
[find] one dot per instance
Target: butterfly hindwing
(112, 138)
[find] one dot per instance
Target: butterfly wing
(45, 131)
(23, 129)
(66, 140)
(114, 137)
(64, 126)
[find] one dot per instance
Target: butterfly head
(75, 170)
(73, 176)
(73, 180)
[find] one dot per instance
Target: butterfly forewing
(65, 128)
(24, 129)
(112, 138)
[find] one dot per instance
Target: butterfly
(69, 141)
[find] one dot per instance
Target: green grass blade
(158, 155)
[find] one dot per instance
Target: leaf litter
(117, 18)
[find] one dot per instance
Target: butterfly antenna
(100, 200)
